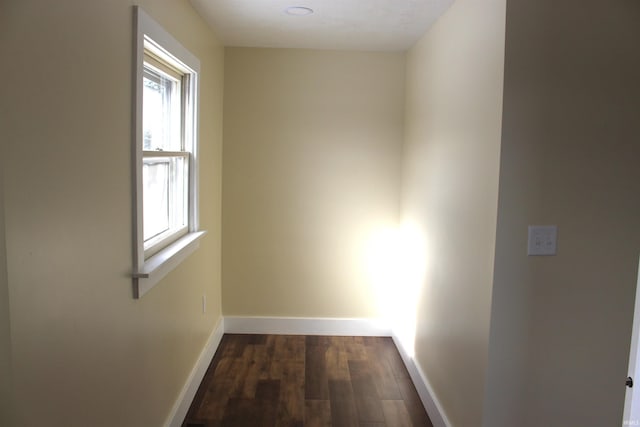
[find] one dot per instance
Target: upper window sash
(163, 111)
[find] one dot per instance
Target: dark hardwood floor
(278, 380)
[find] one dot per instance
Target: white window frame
(149, 270)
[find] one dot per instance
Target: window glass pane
(161, 111)
(165, 197)
(155, 179)
(179, 192)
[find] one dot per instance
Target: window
(165, 154)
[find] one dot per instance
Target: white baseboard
(305, 326)
(423, 387)
(188, 392)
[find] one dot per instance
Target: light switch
(542, 240)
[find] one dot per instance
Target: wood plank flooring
(311, 381)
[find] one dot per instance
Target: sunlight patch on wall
(396, 261)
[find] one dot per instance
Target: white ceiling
(381, 25)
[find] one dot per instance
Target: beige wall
(84, 352)
(5, 332)
(450, 190)
(561, 325)
(311, 171)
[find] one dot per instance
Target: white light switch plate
(542, 240)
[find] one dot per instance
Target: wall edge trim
(188, 392)
(429, 399)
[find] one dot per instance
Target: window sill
(160, 264)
